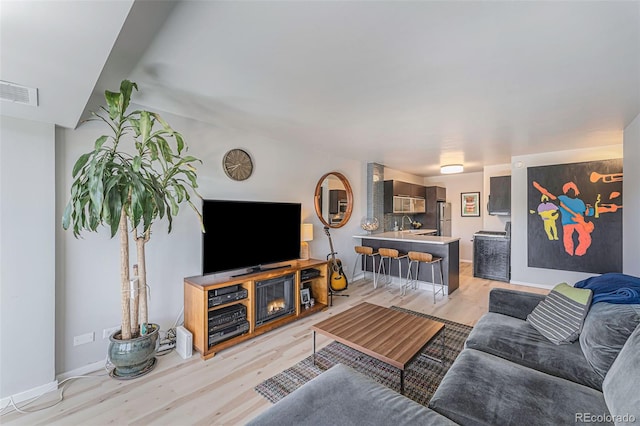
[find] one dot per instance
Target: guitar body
(337, 279)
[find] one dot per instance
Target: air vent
(19, 94)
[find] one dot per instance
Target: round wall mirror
(333, 200)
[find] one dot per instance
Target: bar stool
(391, 254)
(362, 253)
(418, 258)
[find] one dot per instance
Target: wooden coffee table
(393, 337)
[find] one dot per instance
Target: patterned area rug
(420, 379)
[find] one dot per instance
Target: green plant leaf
(164, 124)
(99, 142)
(181, 192)
(165, 149)
(179, 142)
(174, 206)
(114, 207)
(135, 125)
(126, 87)
(114, 104)
(95, 188)
(145, 126)
(154, 150)
(80, 163)
(137, 161)
(66, 216)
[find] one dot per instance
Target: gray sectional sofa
(508, 374)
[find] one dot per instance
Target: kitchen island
(448, 248)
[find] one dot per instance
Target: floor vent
(19, 94)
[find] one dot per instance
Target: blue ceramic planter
(135, 357)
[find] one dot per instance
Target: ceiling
(408, 84)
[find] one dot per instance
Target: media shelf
(201, 289)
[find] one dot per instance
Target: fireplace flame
(275, 306)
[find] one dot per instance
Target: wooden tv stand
(196, 301)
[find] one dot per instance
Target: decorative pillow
(605, 331)
(559, 317)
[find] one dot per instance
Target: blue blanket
(613, 288)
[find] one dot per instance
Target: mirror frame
(347, 187)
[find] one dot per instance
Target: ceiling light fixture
(451, 168)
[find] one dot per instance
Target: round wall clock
(237, 164)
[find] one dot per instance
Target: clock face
(237, 164)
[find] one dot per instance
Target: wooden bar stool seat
(391, 255)
(418, 257)
(362, 253)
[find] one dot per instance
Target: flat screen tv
(249, 235)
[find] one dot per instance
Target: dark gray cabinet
(336, 198)
(500, 195)
(433, 195)
(492, 258)
(412, 194)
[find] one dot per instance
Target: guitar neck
(333, 254)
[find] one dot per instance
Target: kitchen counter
(448, 248)
(413, 235)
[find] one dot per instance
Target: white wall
(462, 227)
(520, 272)
(631, 196)
(89, 283)
(27, 256)
(393, 174)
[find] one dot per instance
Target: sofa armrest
(514, 303)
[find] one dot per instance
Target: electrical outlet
(109, 331)
(83, 338)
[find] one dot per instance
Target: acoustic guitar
(337, 278)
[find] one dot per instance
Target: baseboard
(29, 394)
(82, 371)
(545, 286)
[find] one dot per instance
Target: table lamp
(306, 234)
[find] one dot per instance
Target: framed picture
(305, 296)
(470, 204)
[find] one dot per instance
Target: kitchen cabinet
(403, 197)
(500, 195)
(433, 195)
(337, 198)
(436, 193)
(418, 191)
(492, 257)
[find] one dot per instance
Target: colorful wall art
(575, 216)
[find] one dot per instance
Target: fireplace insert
(275, 298)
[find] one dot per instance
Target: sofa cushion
(620, 386)
(342, 396)
(482, 389)
(605, 331)
(560, 315)
(515, 340)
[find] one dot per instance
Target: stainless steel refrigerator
(443, 219)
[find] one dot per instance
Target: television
(249, 235)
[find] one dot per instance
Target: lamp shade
(306, 232)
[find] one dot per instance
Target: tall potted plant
(135, 175)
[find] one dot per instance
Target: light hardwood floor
(220, 391)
